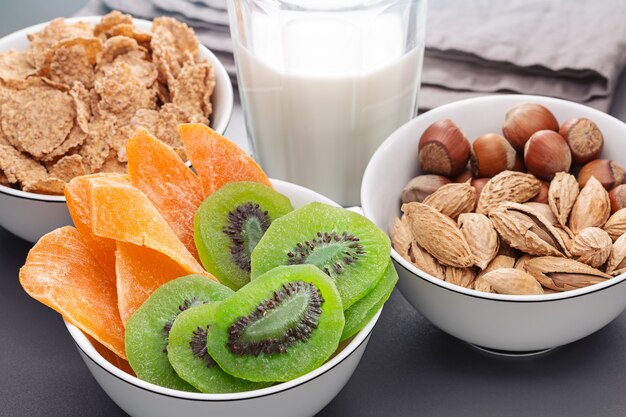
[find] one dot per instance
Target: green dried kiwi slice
(187, 352)
(345, 245)
(147, 331)
(229, 224)
(361, 312)
(280, 326)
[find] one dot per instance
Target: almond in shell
(453, 199)
(527, 230)
(562, 196)
(616, 225)
(591, 246)
(480, 236)
(561, 274)
(401, 236)
(514, 186)
(592, 207)
(463, 277)
(512, 281)
(425, 261)
(439, 235)
(616, 264)
(500, 261)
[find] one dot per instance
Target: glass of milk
(324, 82)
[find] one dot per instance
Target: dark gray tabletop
(410, 367)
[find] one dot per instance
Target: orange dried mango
(140, 271)
(78, 197)
(217, 160)
(157, 170)
(62, 273)
(124, 213)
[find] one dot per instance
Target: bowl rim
(219, 69)
(84, 345)
(403, 263)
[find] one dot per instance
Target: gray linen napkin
(574, 50)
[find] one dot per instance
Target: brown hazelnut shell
(490, 155)
(584, 139)
(523, 120)
(547, 153)
(608, 172)
(443, 149)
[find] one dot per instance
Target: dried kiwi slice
(361, 312)
(345, 245)
(228, 225)
(188, 355)
(148, 328)
(280, 326)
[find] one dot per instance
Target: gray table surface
(410, 368)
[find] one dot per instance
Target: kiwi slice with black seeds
(280, 326)
(361, 312)
(187, 352)
(229, 224)
(147, 331)
(344, 245)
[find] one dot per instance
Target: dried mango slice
(140, 271)
(157, 170)
(217, 160)
(78, 197)
(62, 273)
(122, 212)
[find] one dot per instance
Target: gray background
(410, 367)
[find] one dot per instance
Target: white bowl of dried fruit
(72, 92)
(506, 215)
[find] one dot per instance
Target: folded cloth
(574, 50)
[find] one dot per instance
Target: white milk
(320, 95)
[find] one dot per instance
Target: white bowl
(303, 396)
(31, 215)
(494, 321)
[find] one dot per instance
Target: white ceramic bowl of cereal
(300, 397)
(31, 215)
(516, 324)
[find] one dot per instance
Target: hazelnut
(524, 119)
(618, 198)
(421, 187)
(463, 176)
(490, 155)
(605, 170)
(519, 164)
(443, 149)
(584, 139)
(542, 196)
(479, 184)
(547, 153)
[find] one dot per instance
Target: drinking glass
(324, 82)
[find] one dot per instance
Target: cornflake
(73, 98)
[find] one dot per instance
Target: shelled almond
(535, 232)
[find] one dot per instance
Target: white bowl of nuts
(507, 218)
(72, 92)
